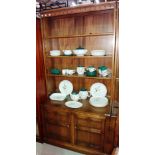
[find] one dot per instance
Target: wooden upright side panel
(40, 78)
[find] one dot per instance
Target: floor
(46, 149)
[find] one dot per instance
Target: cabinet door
(57, 125)
(89, 132)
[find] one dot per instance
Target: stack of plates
(98, 92)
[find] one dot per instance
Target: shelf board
(82, 76)
(87, 56)
(84, 35)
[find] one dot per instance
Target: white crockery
(80, 70)
(67, 52)
(55, 52)
(98, 52)
(98, 90)
(64, 71)
(57, 96)
(71, 72)
(75, 97)
(80, 52)
(65, 87)
(83, 95)
(98, 101)
(73, 104)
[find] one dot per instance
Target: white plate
(57, 96)
(98, 101)
(98, 90)
(65, 87)
(73, 104)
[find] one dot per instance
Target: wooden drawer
(89, 122)
(57, 132)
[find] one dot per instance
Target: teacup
(80, 70)
(64, 71)
(70, 71)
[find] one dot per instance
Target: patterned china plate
(73, 104)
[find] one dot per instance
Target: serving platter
(73, 104)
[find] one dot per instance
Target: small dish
(67, 52)
(57, 96)
(55, 53)
(73, 104)
(98, 52)
(98, 101)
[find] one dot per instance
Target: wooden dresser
(88, 129)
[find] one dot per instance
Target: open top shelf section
(79, 9)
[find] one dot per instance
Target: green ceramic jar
(55, 71)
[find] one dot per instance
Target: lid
(83, 89)
(79, 48)
(103, 67)
(74, 93)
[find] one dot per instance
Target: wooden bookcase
(88, 129)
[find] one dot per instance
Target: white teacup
(80, 70)
(64, 71)
(70, 71)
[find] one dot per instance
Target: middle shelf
(82, 76)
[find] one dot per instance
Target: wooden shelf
(82, 76)
(87, 56)
(85, 35)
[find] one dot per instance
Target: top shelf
(84, 35)
(79, 9)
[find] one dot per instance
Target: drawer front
(58, 132)
(89, 122)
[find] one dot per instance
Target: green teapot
(91, 71)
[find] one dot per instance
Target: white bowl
(98, 101)
(55, 53)
(80, 52)
(98, 52)
(67, 52)
(57, 96)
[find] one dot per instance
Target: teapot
(103, 70)
(91, 71)
(83, 93)
(80, 70)
(74, 96)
